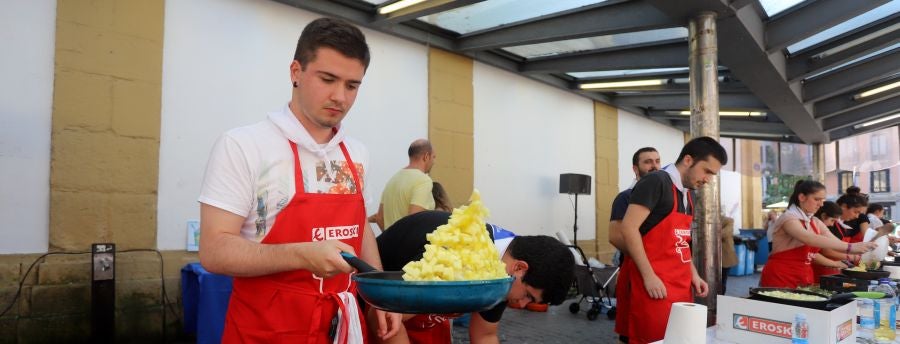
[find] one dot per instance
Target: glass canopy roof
(874, 15)
(635, 46)
(773, 7)
(492, 13)
(593, 43)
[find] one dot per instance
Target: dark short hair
(637, 155)
(419, 147)
(874, 207)
(805, 187)
(702, 148)
(853, 198)
(551, 266)
(335, 34)
(829, 209)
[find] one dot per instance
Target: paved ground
(558, 325)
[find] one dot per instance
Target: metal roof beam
(422, 9)
(864, 114)
(736, 125)
(844, 49)
(741, 38)
(606, 20)
(732, 86)
(658, 56)
(813, 18)
(850, 131)
(682, 101)
(853, 77)
(845, 102)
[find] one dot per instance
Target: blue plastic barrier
(762, 250)
(750, 260)
(205, 296)
(741, 250)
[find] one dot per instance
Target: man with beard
(657, 232)
(644, 161)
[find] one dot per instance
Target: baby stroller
(594, 285)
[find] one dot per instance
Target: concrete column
(104, 166)
(451, 122)
(704, 90)
(606, 180)
(819, 162)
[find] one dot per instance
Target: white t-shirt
(251, 169)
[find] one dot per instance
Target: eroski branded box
(742, 320)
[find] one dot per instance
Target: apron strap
(298, 171)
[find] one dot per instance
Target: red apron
(790, 268)
(428, 329)
(668, 249)
(623, 289)
(295, 306)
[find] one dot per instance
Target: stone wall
(55, 300)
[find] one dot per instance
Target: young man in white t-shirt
(281, 199)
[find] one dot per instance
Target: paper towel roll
(687, 324)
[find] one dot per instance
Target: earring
(295, 84)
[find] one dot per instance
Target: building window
(887, 212)
(881, 181)
(845, 180)
(878, 146)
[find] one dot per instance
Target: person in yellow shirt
(409, 190)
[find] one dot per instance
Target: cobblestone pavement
(558, 325)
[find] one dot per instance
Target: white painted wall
(27, 35)
(225, 64)
(526, 134)
(636, 132)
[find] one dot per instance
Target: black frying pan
(866, 275)
(821, 304)
(388, 291)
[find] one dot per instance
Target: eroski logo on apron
(682, 244)
(335, 232)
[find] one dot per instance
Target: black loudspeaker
(573, 183)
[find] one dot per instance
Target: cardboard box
(750, 321)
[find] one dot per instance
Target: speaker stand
(575, 224)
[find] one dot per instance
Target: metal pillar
(818, 162)
(704, 89)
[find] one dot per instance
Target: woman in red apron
(828, 214)
(790, 268)
(297, 306)
(669, 253)
(796, 240)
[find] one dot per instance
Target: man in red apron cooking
(543, 269)
(644, 161)
(657, 231)
(281, 199)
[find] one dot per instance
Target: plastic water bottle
(896, 292)
(800, 330)
(872, 285)
(866, 314)
(886, 310)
